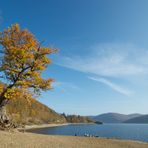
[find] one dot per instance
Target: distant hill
(141, 119)
(22, 112)
(113, 117)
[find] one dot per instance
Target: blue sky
(102, 64)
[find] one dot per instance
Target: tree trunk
(5, 122)
(4, 119)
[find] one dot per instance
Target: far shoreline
(40, 126)
(35, 126)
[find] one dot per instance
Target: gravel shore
(29, 140)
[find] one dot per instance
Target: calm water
(121, 131)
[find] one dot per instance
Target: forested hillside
(33, 112)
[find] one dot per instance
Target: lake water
(120, 131)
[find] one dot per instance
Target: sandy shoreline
(53, 141)
(30, 140)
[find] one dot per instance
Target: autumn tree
(23, 60)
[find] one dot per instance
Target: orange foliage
(24, 60)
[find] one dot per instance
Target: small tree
(23, 60)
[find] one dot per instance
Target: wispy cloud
(65, 86)
(1, 17)
(114, 60)
(115, 87)
(121, 61)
